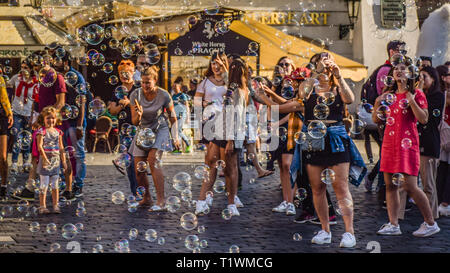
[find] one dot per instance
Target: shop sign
(204, 41)
(393, 13)
(18, 51)
(279, 18)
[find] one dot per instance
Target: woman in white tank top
(209, 97)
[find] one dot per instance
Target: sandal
(43, 210)
(56, 210)
(157, 208)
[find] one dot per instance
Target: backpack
(369, 90)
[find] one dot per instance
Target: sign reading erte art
(393, 13)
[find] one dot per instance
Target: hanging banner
(204, 40)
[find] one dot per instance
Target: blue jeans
(80, 156)
(20, 123)
(131, 173)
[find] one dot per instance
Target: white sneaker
(201, 207)
(14, 168)
(238, 202)
(233, 209)
(209, 200)
(281, 207)
(425, 230)
(321, 238)
(444, 211)
(290, 209)
(348, 240)
(389, 229)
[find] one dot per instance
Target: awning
(275, 44)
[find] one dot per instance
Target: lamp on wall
(353, 12)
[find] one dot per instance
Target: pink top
(384, 71)
(400, 149)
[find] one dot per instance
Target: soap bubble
(221, 27)
(219, 186)
(191, 242)
(80, 227)
(390, 121)
(113, 80)
(173, 203)
(145, 138)
(220, 165)
(201, 229)
(357, 127)
(300, 137)
(132, 206)
(151, 235)
(120, 148)
(326, 98)
(253, 47)
(97, 108)
(93, 34)
(133, 234)
(317, 129)
(436, 113)
(182, 181)
(66, 112)
(122, 246)
(188, 221)
(389, 99)
(226, 214)
(297, 237)
(201, 172)
(383, 112)
(141, 166)
(321, 111)
(327, 176)
(412, 72)
(81, 212)
(71, 78)
(398, 179)
(108, 68)
(388, 81)
(98, 59)
(161, 241)
(47, 76)
(302, 194)
(203, 244)
(124, 160)
(97, 248)
(403, 103)
(186, 195)
(55, 247)
(69, 231)
(118, 197)
(406, 143)
(192, 20)
(75, 112)
(132, 45)
(287, 91)
(234, 249)
(397, 59)
(34, 227)
(51, 228)
(140, 191)
(114, 43)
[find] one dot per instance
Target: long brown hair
(238, 73)
(221, 56)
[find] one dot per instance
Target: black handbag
(313, 144)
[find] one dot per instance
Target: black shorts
(220, 143)
(327, 157)
(3, 125)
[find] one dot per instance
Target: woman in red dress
(401, 106)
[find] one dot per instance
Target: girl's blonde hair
(45, 112)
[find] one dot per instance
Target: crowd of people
(299, 119)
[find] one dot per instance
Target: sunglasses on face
(144, 64)
(285, 64)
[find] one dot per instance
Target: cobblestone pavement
(257, 230)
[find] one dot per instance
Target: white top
(213, 93)
(17, 105)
